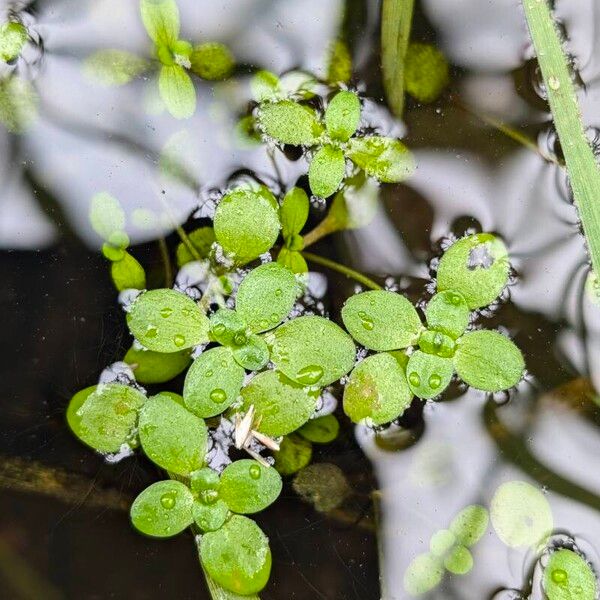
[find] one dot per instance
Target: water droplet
(278, 292)
(209, 496)
(151, 332)
(186, 312)
(219, 329)
(239, 339)
(254, 471)
(208, 373)
(553, 82)
(275, 318)
(203, 523)
(366, 320)
(263, 323)
(166, 312)
(309, 375)
(414, 379)
(435, 381)
(168, 500)
(218, 396)
(559, 576)
(179, 340)
(454, 298)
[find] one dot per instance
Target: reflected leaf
(294, 454)
(342, 115)
(321, 430)
(423, 574)
(18, 103)
(114, 67)
(161, 20)
(106, 216)
(426, 72)
(386, 159)
(326, 171)
(13, 37)
(323, 485)
(177, 91)
(339, 65)
(156, 367)
(212, 61)
(290, 123)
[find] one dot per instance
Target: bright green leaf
(163, 510)
(428, 374)
(266, 296)
(292, 260)
(113, 253)
(213, 382)
(339, 64)
(438, 343)
(228, 328)
(18, 103)
(459, 561)
(114, 67)
(488, 360)
(568, 576)
(323, 485)
(377, 390)
(249, 487)
(321, 430)
(265, 86)
(381, 320)
(171, 436)
(294, 454)
(246, 222)
(210, 517)
(290, 123)
(205, 479)
(177, 91)
(161, 20)
(312, 351)
(156, 367)
(448, 312)
(342, 115)
(293, 212)
(167, 321)
(104, 416)
(386, 159)
(13, 37)
(106, 215)
(127, 273)
(423, 574)
(425, 72)
(327, 170)
(237, 556)
(477, 266)
(470, 524)
(201, 239)
(212, 61)
(281, 405)
(253, 355)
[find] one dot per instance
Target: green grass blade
(396, 20)
(584, 173)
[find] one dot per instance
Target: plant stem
(583, 170)
(335, 266)
(323, 229)
(164, 253)
(396, 21)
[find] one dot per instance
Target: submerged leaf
(323, 485)
(312, 351)
(212, 61)
(293, 212)
(127, 273)
(488, 360)
(386, 159)
(237, 556)
(448, 312)
(167, 321)
(459, 561)
(161, 20)
(568, 576)
(294, 454)
(201, 240)
(381, 320)
(163, 510)
(114, 67)
(321, 430)
(249, 487)
(290, 123)
(13, 37)
(470, 524)
(339, 65)
(326, 171)
(177, 91)
(342, 115)
(425, 72)
(156, 367)
(18, 103)
(106, 216)
(428, 374)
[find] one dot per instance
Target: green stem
(396, 21)
(164, 253)
(326, 227)
(583, 170)
(335, 266)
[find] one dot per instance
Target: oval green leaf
(201, 240)
(106, 215)
(321, 430)
(127, 273)
(342, 115)
(253, 355)
(177, 91)
(386, 159)
(448, 312)
(228, 328)
(423, 574)
(459, 561)
(327, 170)
(323, 485)
(294, 454)
(210, 516)
(113, 67)
(290, 123)
(428, 374)
(156, 367)
(212, 61)
(426, 72)
(470, 524)
(293, 212)
(568, 576)
(161, 20)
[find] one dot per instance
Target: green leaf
(177, 91)
(294, 454)
(127, 273)
(342, 115)
(13, 37)
(386, 159)
(281, 405)
(265, 86)
(299, 84)
(266, 296)
(428, 375)
(246, 222)
(210, 517)
(104, 416)
(426, 72)
(448, 312)
(167, 321)
(212, 61)
(438, 343)
(470, 524)
(293, 212)
(290, 123)
(321, 430)
(339, 64)
(213, 382)
(477, 266)
(161, 20)
(18, 103)
(114, 67)
(205, 480)
(253, 355)
(323, 485)
(312, 351)
(521, 515)
(568, 576)
(249, 487)
(377, 390)
(381, 320)
(156, 367)
(423, 574)
(459, 561)
(292, 260)
(237, 556)
(228, 328)
(163, 510)
(171, 436)
(327, 170)
(488, 360)
(106, 215)
(441, 543)
(201, 239)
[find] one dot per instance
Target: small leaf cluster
(471, 274)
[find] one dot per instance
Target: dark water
(64, 530)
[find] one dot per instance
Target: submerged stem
(335, 266)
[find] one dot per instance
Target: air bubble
(179, 340)
(309, 375)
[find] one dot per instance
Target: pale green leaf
(114, 67)
(246, 222)
(377, 390)
(213, 382)
(237, 556)
(428, 374)
(265, 86)
(442, 542)
(477, 266)
(423, 574)
(161, 20)
(386, 159)
(327, 170)
(167, 321)
(488, 360)
(177, 91)
(212, 61)
(339, 64)
(459, 561)
(13, 37)
(381, 320)
(18, 103)
(299, 84)
(293, 260)
(156, 367)
(323, 485)
(201, 240)
(568, 576)
(290, 123)
(426, 72)
(106, 215)
(294, 454)
(355, 205)
(163, 510)
(253, 355)
(448, 312)
(266, 296)
(127, 273)
(171, 436)
(312, 351)
(342, 115)
(249, 487)
(293, 212)
(210, 516)
(321, 430)
(470, 524)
